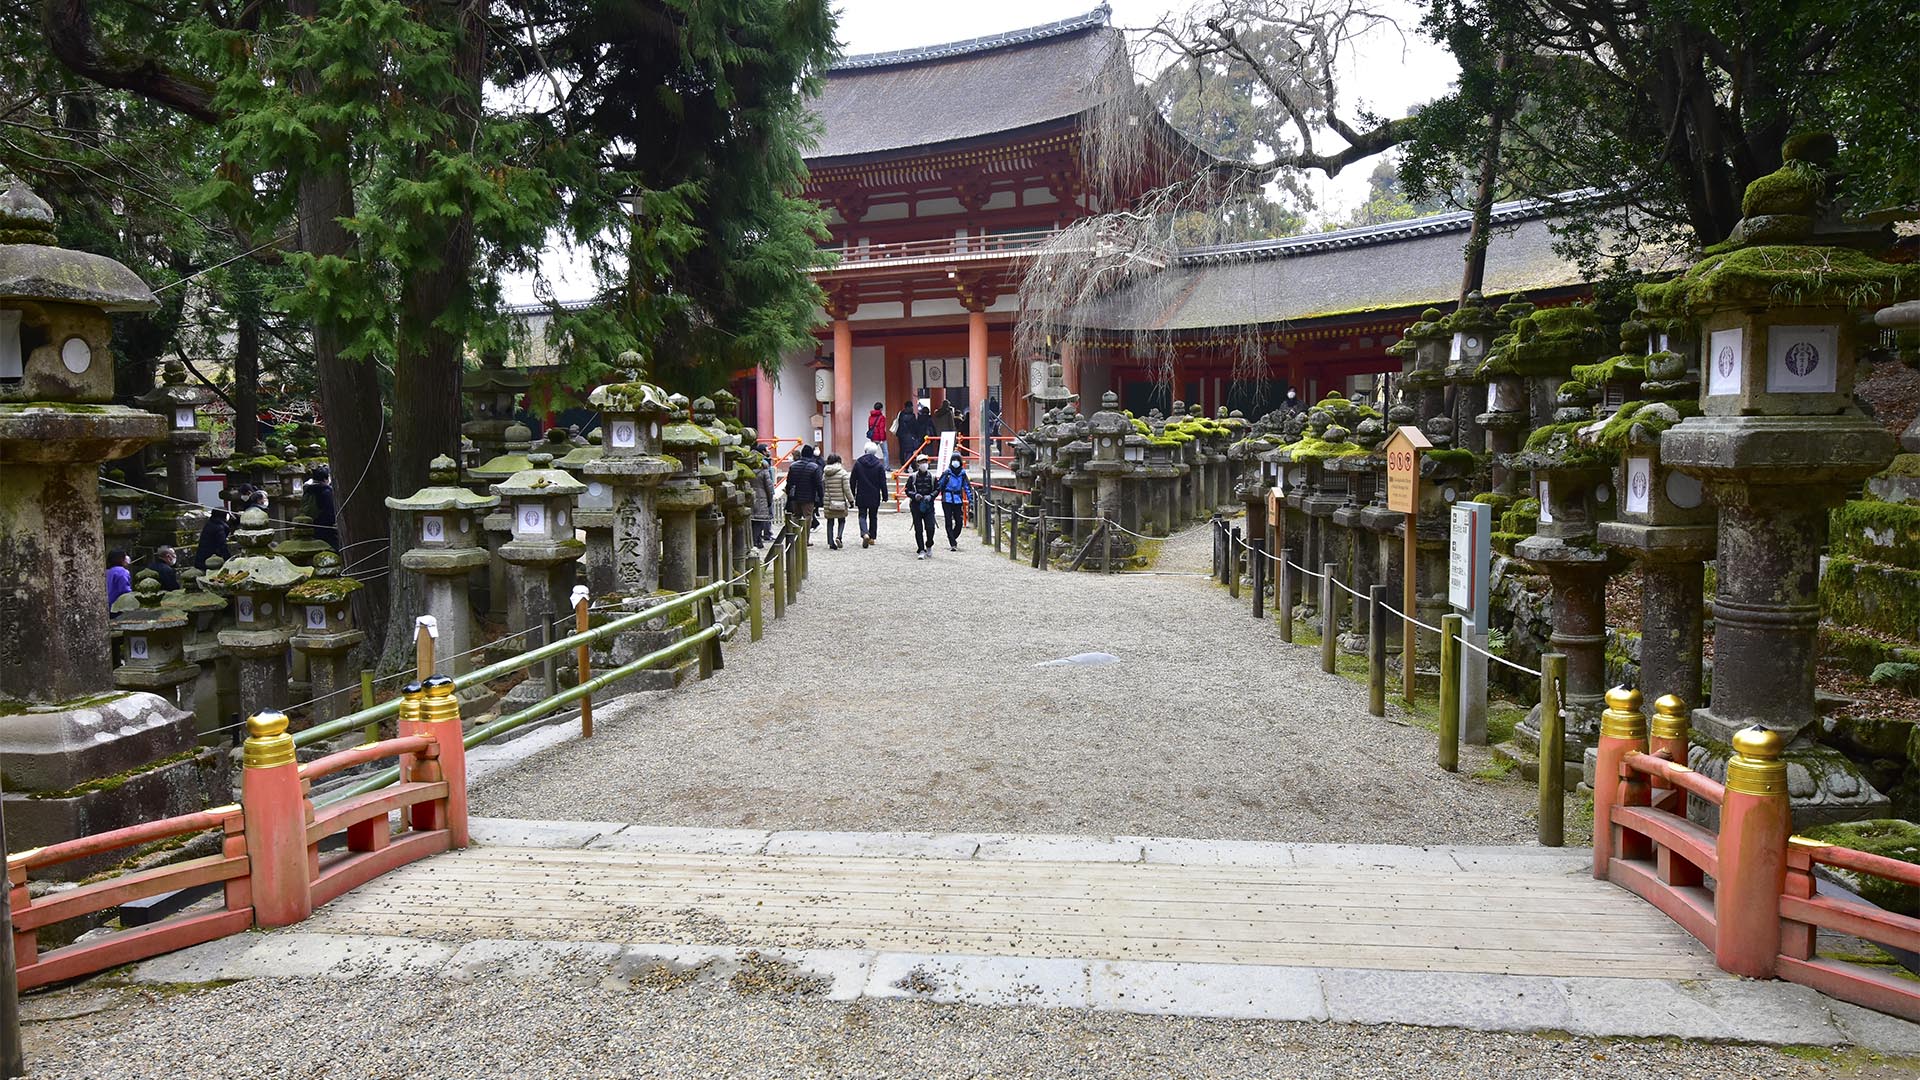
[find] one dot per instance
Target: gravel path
(307, 1029)
(905, 695)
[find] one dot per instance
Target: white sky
(1390, 72)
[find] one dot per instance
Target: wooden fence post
(1040, 543)
(1623, 730)
(1329, 617)
(779, 585)
(1449, 756)
(793, 567)
(1231, 564)
(275, 811)
(1553, 746)
(1755, 822)
(1377, 650)
(582, 622)
(1258, 561)
(756, 603)
(1283, 596)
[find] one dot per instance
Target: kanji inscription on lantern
(1724, 361)
(1801, 359)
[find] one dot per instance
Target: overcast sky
(1391, 71)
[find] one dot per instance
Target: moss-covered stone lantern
(632, 467)
(256, 581)
(443, 521)
(301, 547)
(179, 401)
(324, 634)
(517, 443)
(493, 391)
(1781, 443)
(541, 560)
(683, 494)
(152, 647)
(1470, 332)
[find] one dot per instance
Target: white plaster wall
(947, 306)
(879, 309)
(869, 386)
(793, 402)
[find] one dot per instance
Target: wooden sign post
(1404, 447)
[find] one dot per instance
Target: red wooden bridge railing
(270, 860)
(1763, 911)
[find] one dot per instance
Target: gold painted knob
(268, 743)
(1755, 767)
(1623, 718)
(1669, 718)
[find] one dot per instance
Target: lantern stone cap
(576, 458)
(34, 267)
(323, 590)
(247, 573)
(502, 466)
(443, 495)
(539, 483)
(175, 390)
(493, 377)
(683, 435)
(1904, 315)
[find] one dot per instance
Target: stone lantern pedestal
(257, 582)
(444, 522)
(214, 695)
(481, 479)
(323, 615)
(179, 402)
(151, 642)
(683, 495)
(632, 466)
(63, 723)
(541, 560)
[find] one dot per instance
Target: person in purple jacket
(119, 578)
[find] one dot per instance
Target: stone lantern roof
(33, 267)
(539, 480)
(519, 440)
(444, 493)
(174, 390)
(257, 568)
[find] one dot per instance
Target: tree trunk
(246, 384)
(426, 376)
(1474, 277)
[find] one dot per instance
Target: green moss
(1871, 596)
(1904, 466)
(1889, 838)
(1618, 430)
(1522, 518)
(1309, 448)
(1877, 531)
(1461, 460)
(1862, 653)
(117, 780)
(1784, 274)
(319, 590)
(1794, 189)
(11, 707)
(1613, 369)
(1496, 500)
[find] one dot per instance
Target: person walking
(318, 490)
(921, 494)
(877, 430)
(869, 491)
(804, 489)
(955, 490)
(162, 565)
(905, 423)
(836, 498)
(762, 488)
(213, 538)
(119, 578)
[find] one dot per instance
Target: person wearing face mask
(921, 493)
(955, 490)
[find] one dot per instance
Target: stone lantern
(512, 458)
(1470, 331)
(1107, 432)
(1509, 413)
(593, 512)
(1133, 503)
(290, 475)
(64, 723)
(540, 560)
(1781, 443)
(324, 633)
(123, 508)
(151, 643)
(716, 472)
(1426, 381)
(683, 494)
(256, 582)
(631, 466)
(1359, 557)
(444, 527)
(1079, 486)
(215, 692)
(493, 391)
(179, 402)
(301, 548)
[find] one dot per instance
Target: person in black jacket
(319, 492)
(213, 539)
(869, 491)
(922, 491)
(906, 431)
(805, 486)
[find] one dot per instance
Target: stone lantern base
(100, 763)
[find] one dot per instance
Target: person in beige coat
(836, 500)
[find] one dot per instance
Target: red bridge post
(1623, 730)
(1755, 821)
(276, 815)
(439, 718)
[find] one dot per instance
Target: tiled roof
(891, 101)
(1402, 264)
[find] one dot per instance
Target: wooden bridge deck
(1524, 917)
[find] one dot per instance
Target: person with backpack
(805, 489)
(762, 488)
(921, 494)
(869, 491)
(836, 498)
(877, 430)
(955, 491)
(906, 428)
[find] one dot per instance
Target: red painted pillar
(1755, 821)
(977, 373)
(1623, 730)
(842, 388)
(440, 720)
(276, 823)
(763, 406)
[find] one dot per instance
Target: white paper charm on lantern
(1802, 359)
(243, 609)
(316, 617)
(1546, 506)
(531, 519)
(183, 417)
(433, 528)
(623, 434)
(1724, 358)
(136, 648)
(1639, 484)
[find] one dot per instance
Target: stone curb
(1771, 1013)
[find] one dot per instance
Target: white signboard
(1469, 559)
(622, 433)
(1546, 507)
(136, 648)
(124, 512)
(243, 609)
(1725, 350)
(183, 417)
(530, 519)
(946, 447)
(433, 528)
(1639, 493)
(316, 617)
(1802, 359)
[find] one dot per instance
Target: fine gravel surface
(384, 1029)
(907, 695)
